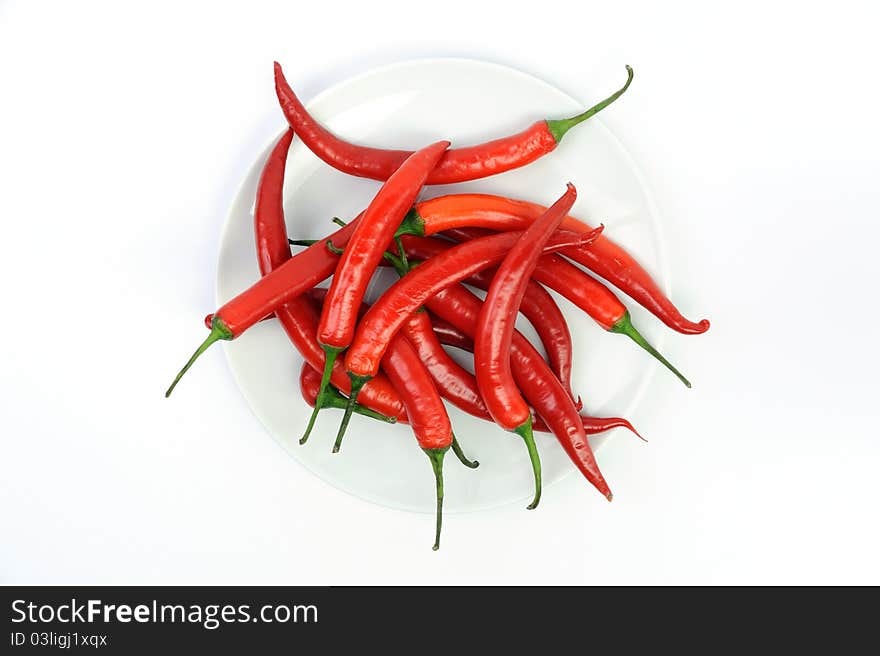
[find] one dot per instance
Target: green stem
(330, 354)
(401, 253)
(218, 331)
(303, 242)
(624, 327)
(456, 449)
(333, 398)
(524, 430)
(333, 249)
(339, 221)
(559, 127)
(436, 458)
(412, 224)
(357, 382)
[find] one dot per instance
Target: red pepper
(298, 317)
(495, 327)
(454, 382)
(458, 165)
(296, 276)
(543, 391)
(537, 306)
(584, 291)
(452, 336)
(604, 258)
(363, 254)
(405, 296)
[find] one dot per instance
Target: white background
(125, 129)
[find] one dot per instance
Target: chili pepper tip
(218, 331)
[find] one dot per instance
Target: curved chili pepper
(424, 407)
(318, 294)
(454, 382)
(461, 308)
(298, 317)
(458, 165)
(405, 296)
(309, 385)
(584, 291)
(537, 305)
(296, 276)
(361, 257)
(604, 258)
(495, 327)
(451, 336)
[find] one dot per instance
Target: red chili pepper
(454, 382)
(451, 336)
(458, 165)
(410, 394)
(406, 295)
(537, 306)
(425, 409)
(361, 257)
(299, 317)
(604, 258)
(296, 276)
(584, 291)
(461, 308)
(495, 327)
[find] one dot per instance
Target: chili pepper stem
(218, 331)
(302, 242)
(624, 326)
(558, 128)
(330, 355)
(333, 399)
(462, 458)
(412, 224)
(524, 430)
(404, 263)
(357, 382)
(436, 458)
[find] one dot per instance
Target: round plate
(409, 105)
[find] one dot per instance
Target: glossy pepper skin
(454, 382)
(452, 336)
(604, 257)
(359, 260)
(369, 241)
(537, 305)
(458, 165)
(583, 290)
(461, 308)
(291, 279)
(495, 326)
(407, 294)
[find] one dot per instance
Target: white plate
(406, 106)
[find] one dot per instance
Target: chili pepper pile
(387, 361)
